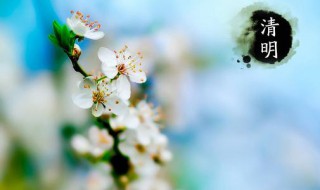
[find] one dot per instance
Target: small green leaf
(107, 155)
(53, 39)
(72, 39)
(72, 34)
(57, 30)
(65, 39)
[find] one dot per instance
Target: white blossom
(129, 120)
(100, 178)
(144, 141)
(98, 95)
(149, 183)
(98, 142)
(159, 147)
(143, 144)
(146, 113)
(131, 146)
(142, 114)
(81, 26)
(120, 65)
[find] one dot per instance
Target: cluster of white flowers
(97, 143)
(110, 93)
(128, 134)
(142, 140)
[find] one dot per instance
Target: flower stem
(76, 66)
(119, 162)
(100, 79)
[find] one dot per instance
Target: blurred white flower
(143, 144)
(142, 114)
(131, 146)
(100, 178)
(82, 26)
(159, 146)
(146, 133)
(99, 141)
(129, 120)
(150, 183)
(98, 95)
(146, 112)
(147, 169)
(126, 65)
(144, 141)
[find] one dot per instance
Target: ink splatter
(264, 35)
(246, 58)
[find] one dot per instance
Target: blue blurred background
(229, 128)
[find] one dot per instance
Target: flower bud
(76, 50)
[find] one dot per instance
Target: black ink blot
(246, 59)
(283, 36)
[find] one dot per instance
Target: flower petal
(107, 56)
(70, 23)
(160, 140)
(144, 138)
(138, 77)
(80, 144)
(109, 71)
(83, 100)
(131, 120)
(93, 134)
(127, 149)
(97, 151)
(80, 29)
(105, 140)
(116, 105)
(94, 35)
(88, 83)
(145, 133)
(97, 110)
(165, 155)
(123, 87)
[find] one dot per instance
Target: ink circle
(283, 37)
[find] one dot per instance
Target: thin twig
(76, 66)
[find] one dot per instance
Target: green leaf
(72, 39)
(72, 34)
(65, 39)
(107, 155)
(57, 30)
(53, 39)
